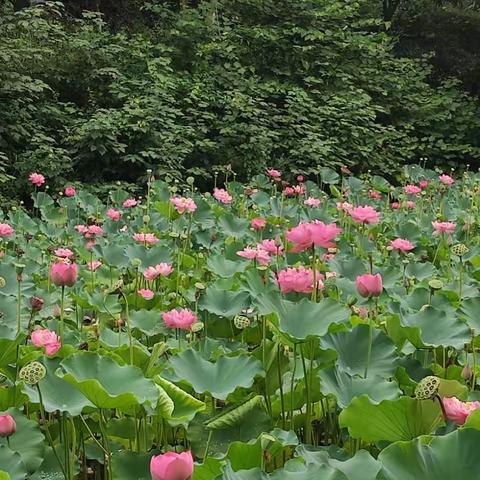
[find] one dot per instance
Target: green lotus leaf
(232, 226)
(50, 468)
(391, 420)
(9, 342)
(296, 470)
(11, 463)
(449, 457)
(224, 267)
(4, 475)
(107, 384)
(220, 378)
(131, 465)
(223, 302)
(469, 311)
(328, 175)
(210, 469)
(148, 322)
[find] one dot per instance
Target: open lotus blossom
(5, 230)
(369, 285)
(46, 338)
(63, 253)
(423, 183)
(374, 194)
(7, 425)
(274, 173)
(64, 273)
(183, 318)
(365, 214)
(146, 293)
(446, 179)
(273, 247)
(162, 269)
(458, 411)
(255, 253)
(183, 204)
(295, 190)
(298, 280)
(36, 179)
(70, 192)
(395, 205)
(114, 215)
(93, 265)
(146, 238)
(412, 189)
(316, 233)
(402, 245)
(258, 223)
(444, 227)
(222, 195)
(172, 466)
(312, 202)
(129, 203)
(89, 231)
(344, 207)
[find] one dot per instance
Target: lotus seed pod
(427, 388)
(190, 180)
(3, 282)
(136, 262)
(435, 284)
(32, 373)
(241, 322)
(197, 327)
(146, 218)
(459, 250)
(199, 286)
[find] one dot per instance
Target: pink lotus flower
(312, 202)
(36, 179)
(300, 178)
(183, 318)
(5, 230)
(7, 425)
(146, 293)
(129, 203)
(306, 235)
(344, 206)
(402, 245)
(146, 238)
(183, 204)
(289, 191)
(444, 227)
(89, 231)
(458, 411)
(162, 269)
(369, 285)
(63, 253)
(113, 214)
(274, 247)
(70, 192)
(46, 338)
(365, 214)
(410, 204)
(258, 223)
(64, 274)
(395, 205)
(412, 189)
(446, 179)
(374, 194)
(298, 280)
(93, 265)
(423, 184)
(255, 253)
(172, 466)
(222, 196)
(274, 173)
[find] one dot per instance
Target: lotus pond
(325, 328)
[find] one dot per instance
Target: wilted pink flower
(5, 230)
(258, 223)
(369, 285)
(113, 214)
(458, 411)
(298, 280)
(172, 466)
(444, 227)
(63, 253)
(64, 274)
(255, 253)
(46, 338)
(395, 205)
(402, 245)
(365, 214)
(374, 194)
(312, 202)
(36, 179)
(93, 265)
(222, 195)
(183, 318)
(274, 173)
(344, 206)
(274, 247)
(412, 189)
(410, 204)
(147, 238)
(183, 204)
(7, 425)
(146, 293)
(70, 192)
(162, 269)
(446, 179)
(423, 183)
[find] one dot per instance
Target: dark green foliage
(296, 84)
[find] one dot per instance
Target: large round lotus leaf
(391, 420)
(306, 318)
(107, 384)
(296, 470)
(148, 255)
(346, 387)
(253, 474)
(8, 345)
(469, 311)
(4, 475)
(451, 457)
(220, 378)
(223, 302)
(352, 348)
(148, 322)
(28, 441)
(57, 394)
(12, 463)
(209, 469)
(50, 468)
(112, 254)
(245, 456)
(131, 465)
(223, 267)
(232, 226)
